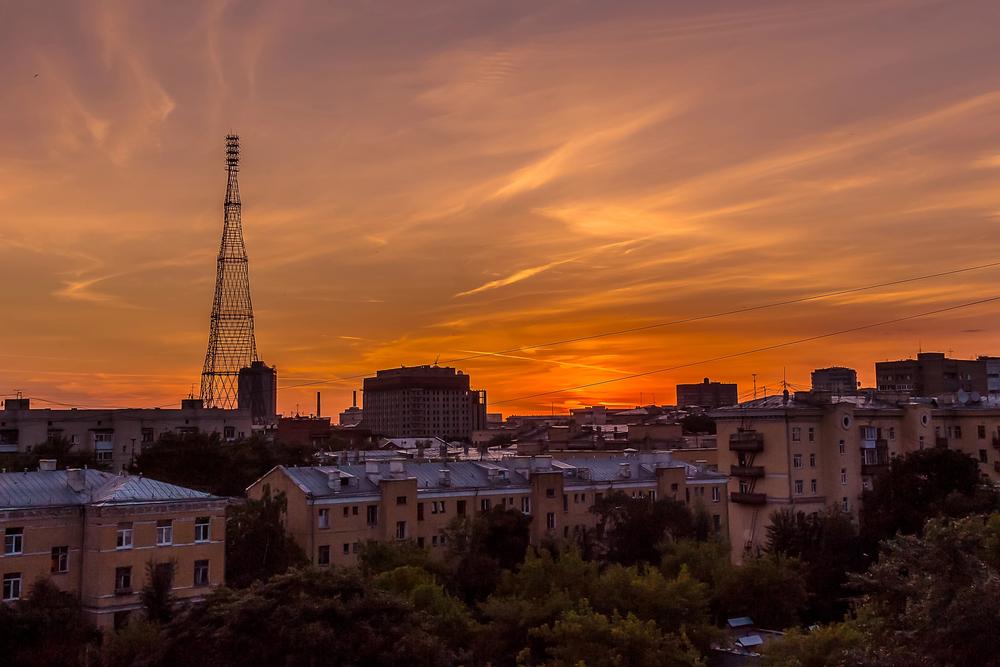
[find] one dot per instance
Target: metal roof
(46, 488)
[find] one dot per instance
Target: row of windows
(13, 583)
(123, 575)
(164, 532)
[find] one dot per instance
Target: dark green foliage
(157, 599)
(305, 617)
(479, 548)
(377, 557)
(257, 546)
(64, 452)
(44, 629)
(698, 424)
(203, 461)
(769, 589)
(921, 485)
(632, 529)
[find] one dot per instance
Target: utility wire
(756, 350)
(686, 320)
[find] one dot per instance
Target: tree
(156, 596)
(61, 449)
(135, 645)
(698, 424)
(377, 556)
(827, 646)
(479, 548)
(583, 636)
(257, 546)
(304, 617)
(632, 529)
(46, 628)
(918, 486)
(769, 589)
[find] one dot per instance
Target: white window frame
(164, 534)
(799, 487)
(123, 539)
(716, 494)
(12, 583)
(13, 541)
(202, 529)
(207, 570)
(323, 518)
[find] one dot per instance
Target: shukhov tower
(231, 344)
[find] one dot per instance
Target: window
(420, 542)
(550, 493)
(798, 487)
(460, 508)
(12, 586)
(13, 541)
(920, 444)
(103, 455)
(202, 529)
(958, 432)
(400, 500)
(812, 460)
(324, 518)
(796, 433)
(354, 510)
(164, 532)
(400, 530)
(796, 460)
(565, 502)
(437, 507)
(673, 487)
(892, 432)
(356, 547)
(982, 456)
(323, 555)
(812, 434)
(484, 504)
(420, 511)
(716, 494)
(347, 548)
(372, 515)
(843, 476)
(60, 560)
(347, 511)
(844, 505)
(550, 520)
(124, 540)
(981, 431)
(229, 432)
(526, 504)
(812, 486)
(147, 436)
(123, 580)
(842, 447)
(434, 540)
(201, 571)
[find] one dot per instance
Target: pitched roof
(48, 488)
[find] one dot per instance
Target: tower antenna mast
(231, 343)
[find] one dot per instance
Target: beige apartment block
(813, 450)
(332, 510)
(93, 533)
(115, 437)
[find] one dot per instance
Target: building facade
(332, 510)
(422, 401)
(814, 450)
(115, 437)
(257, 393)
(93, 534)
(707, 394)
(932, 374)
(836, 379)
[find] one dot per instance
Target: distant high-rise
(231, 343)
(707, 394)
(836, 379)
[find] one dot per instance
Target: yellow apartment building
(92, 533)
(811, 450)
(332, 510)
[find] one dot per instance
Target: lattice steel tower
(231, 344)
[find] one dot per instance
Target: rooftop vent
(75, 479)
(47, 464)
(444, 477)
(333, 480)
(625, 470)
(396, 468)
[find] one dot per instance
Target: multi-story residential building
(421, 401)
(707, 394)
(932, 374)
(115, 437)
(333, 510)
(94, 533)
(813, 450)
(992, 375)
(836, 379)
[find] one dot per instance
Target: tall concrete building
(258, 393)
(836, 379)
(932, 374)
(707, 394)
(423, 401)
(114, 437)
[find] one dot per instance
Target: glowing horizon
(443, 179)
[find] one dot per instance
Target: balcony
(748, 498)
(746, 471)
(746, 441)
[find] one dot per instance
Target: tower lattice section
(231, 343)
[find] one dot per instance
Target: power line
(757, 350)
(686, 320)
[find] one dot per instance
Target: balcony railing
(747, 471)
(748, 498)
(746, 441)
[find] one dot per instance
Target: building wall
(707, 394)
(932, 374)
(423, 401)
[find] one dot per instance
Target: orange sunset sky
(425, 179)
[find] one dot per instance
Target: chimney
(333, 480)
(47, 464)
(625, 470)
(541, 463)
(444, 477)
(354, 398)
(75, 479)
(492, 475)
(319, 410)
(396, 469)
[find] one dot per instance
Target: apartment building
(421, 401)
(835, 379)
(707, 394)
(811, 450)
(932, 374)
(332, 510)
(93, 533)
(115, 437)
